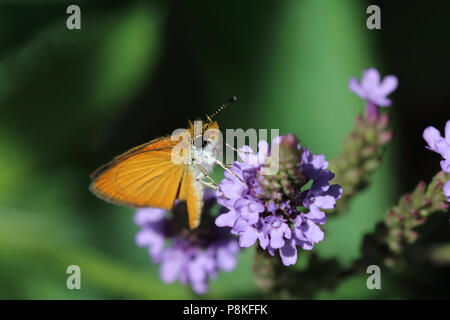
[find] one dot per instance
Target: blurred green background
(71, 100)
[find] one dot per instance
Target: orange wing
(192, 191)
(145, 176)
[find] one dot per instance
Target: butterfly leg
(211, 184)
(228, 166)
(234, 149)
(228, 170)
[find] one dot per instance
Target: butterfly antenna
(226, 104)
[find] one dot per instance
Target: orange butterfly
(157, 173)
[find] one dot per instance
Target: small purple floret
(373, 90)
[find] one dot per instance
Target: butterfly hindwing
(192, 191)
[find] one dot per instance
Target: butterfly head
(204, 133)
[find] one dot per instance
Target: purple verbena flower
(440, 145)
(279, 210)
(373, 90)
(190, 256)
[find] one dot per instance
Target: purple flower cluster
(279, 210)
(373, 90)
(440, 145)
(191, 257)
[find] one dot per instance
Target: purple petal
(319, 162)
(248, 156)
(241, 225)
(263, 151)
(227, 219)
(246, 150)
(354, 86)
(388, 85)
(143, 238)
(276, 140)
(148, 215)
(316, 215)
(256, 207)
(200, 287)
(276, 238)
(431, 136)
(154, 241)
(381, 101)
(443, 148)
(231, 187)
(249, 210)
(288, 253)
(226, 256)
(372, 90)
(445, 165)
(447, 131)
(248, 238)
(197, 273)
(313, 232)
(199, 268)
(370, 79)
(263, 240)
(325, 202)
(171, 265)
(307, 230)
(305, 245)
(335, 190)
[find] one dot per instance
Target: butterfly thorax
(203, 157)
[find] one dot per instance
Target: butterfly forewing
(146, 176)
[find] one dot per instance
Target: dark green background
(71, 100)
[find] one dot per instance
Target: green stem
(361, 156)
(398, 231)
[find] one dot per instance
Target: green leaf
(42, 246)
